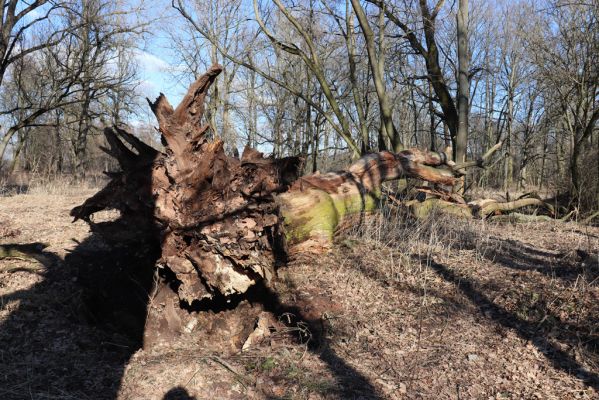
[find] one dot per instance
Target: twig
(588, 219)
(17, 268)
(196, 372)
(242, 379)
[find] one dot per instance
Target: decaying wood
(475, 209)
(316, 205)
(590, 218)
(216, 216)
(32, 254)
(224, 223)
(21, 251)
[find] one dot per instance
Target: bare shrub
(436, 235)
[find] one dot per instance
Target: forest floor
(437, 310)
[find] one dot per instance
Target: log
(315, 206)
(224, 223)
(519, 218)
(31, 253)
(483, 208)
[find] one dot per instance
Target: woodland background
(397, 304)
(326, 79)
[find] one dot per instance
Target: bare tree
(430, 52)
(96, 47)
(566, 59)
(377, 66)
(17, 41)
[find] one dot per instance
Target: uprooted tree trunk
(224, 223)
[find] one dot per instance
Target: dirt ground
(399, 310)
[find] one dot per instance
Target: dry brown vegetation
(399, 309)
(196, 275)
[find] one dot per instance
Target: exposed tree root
(224, 223)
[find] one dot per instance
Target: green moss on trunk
(422, 210)
(316, 213)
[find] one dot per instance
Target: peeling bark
(224, 223)
(215, 215)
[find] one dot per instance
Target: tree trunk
(463, 95)
(58, 158)
(377, 64)
(463, 82)
(509, 157)
(84, 126)
(574, 175)
(359, 104)
(225, 223)
(4, 144)
(431, 113)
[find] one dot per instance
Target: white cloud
(147, 87)
(151, 63)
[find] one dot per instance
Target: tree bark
(377, 64)
(461, 140)
(359, 104)
(463, 96)
(217, 217)
(224, 223)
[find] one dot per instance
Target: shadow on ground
(178, 393)
(350, 383)
(71, 335)
(520, 256)
(545, 334)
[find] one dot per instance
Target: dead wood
(224, 223)
(484, 208)
(590, 218)
(317, 205)
(215, 215)
(32, 254)
(517, 217)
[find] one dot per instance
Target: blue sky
(156, 75)
(154, 55)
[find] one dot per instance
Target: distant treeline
(327, 79)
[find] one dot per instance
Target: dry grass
(478, 291)
(441, 309)
(54, 185)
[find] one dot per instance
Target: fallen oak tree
(483, 208)
(225, 223)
